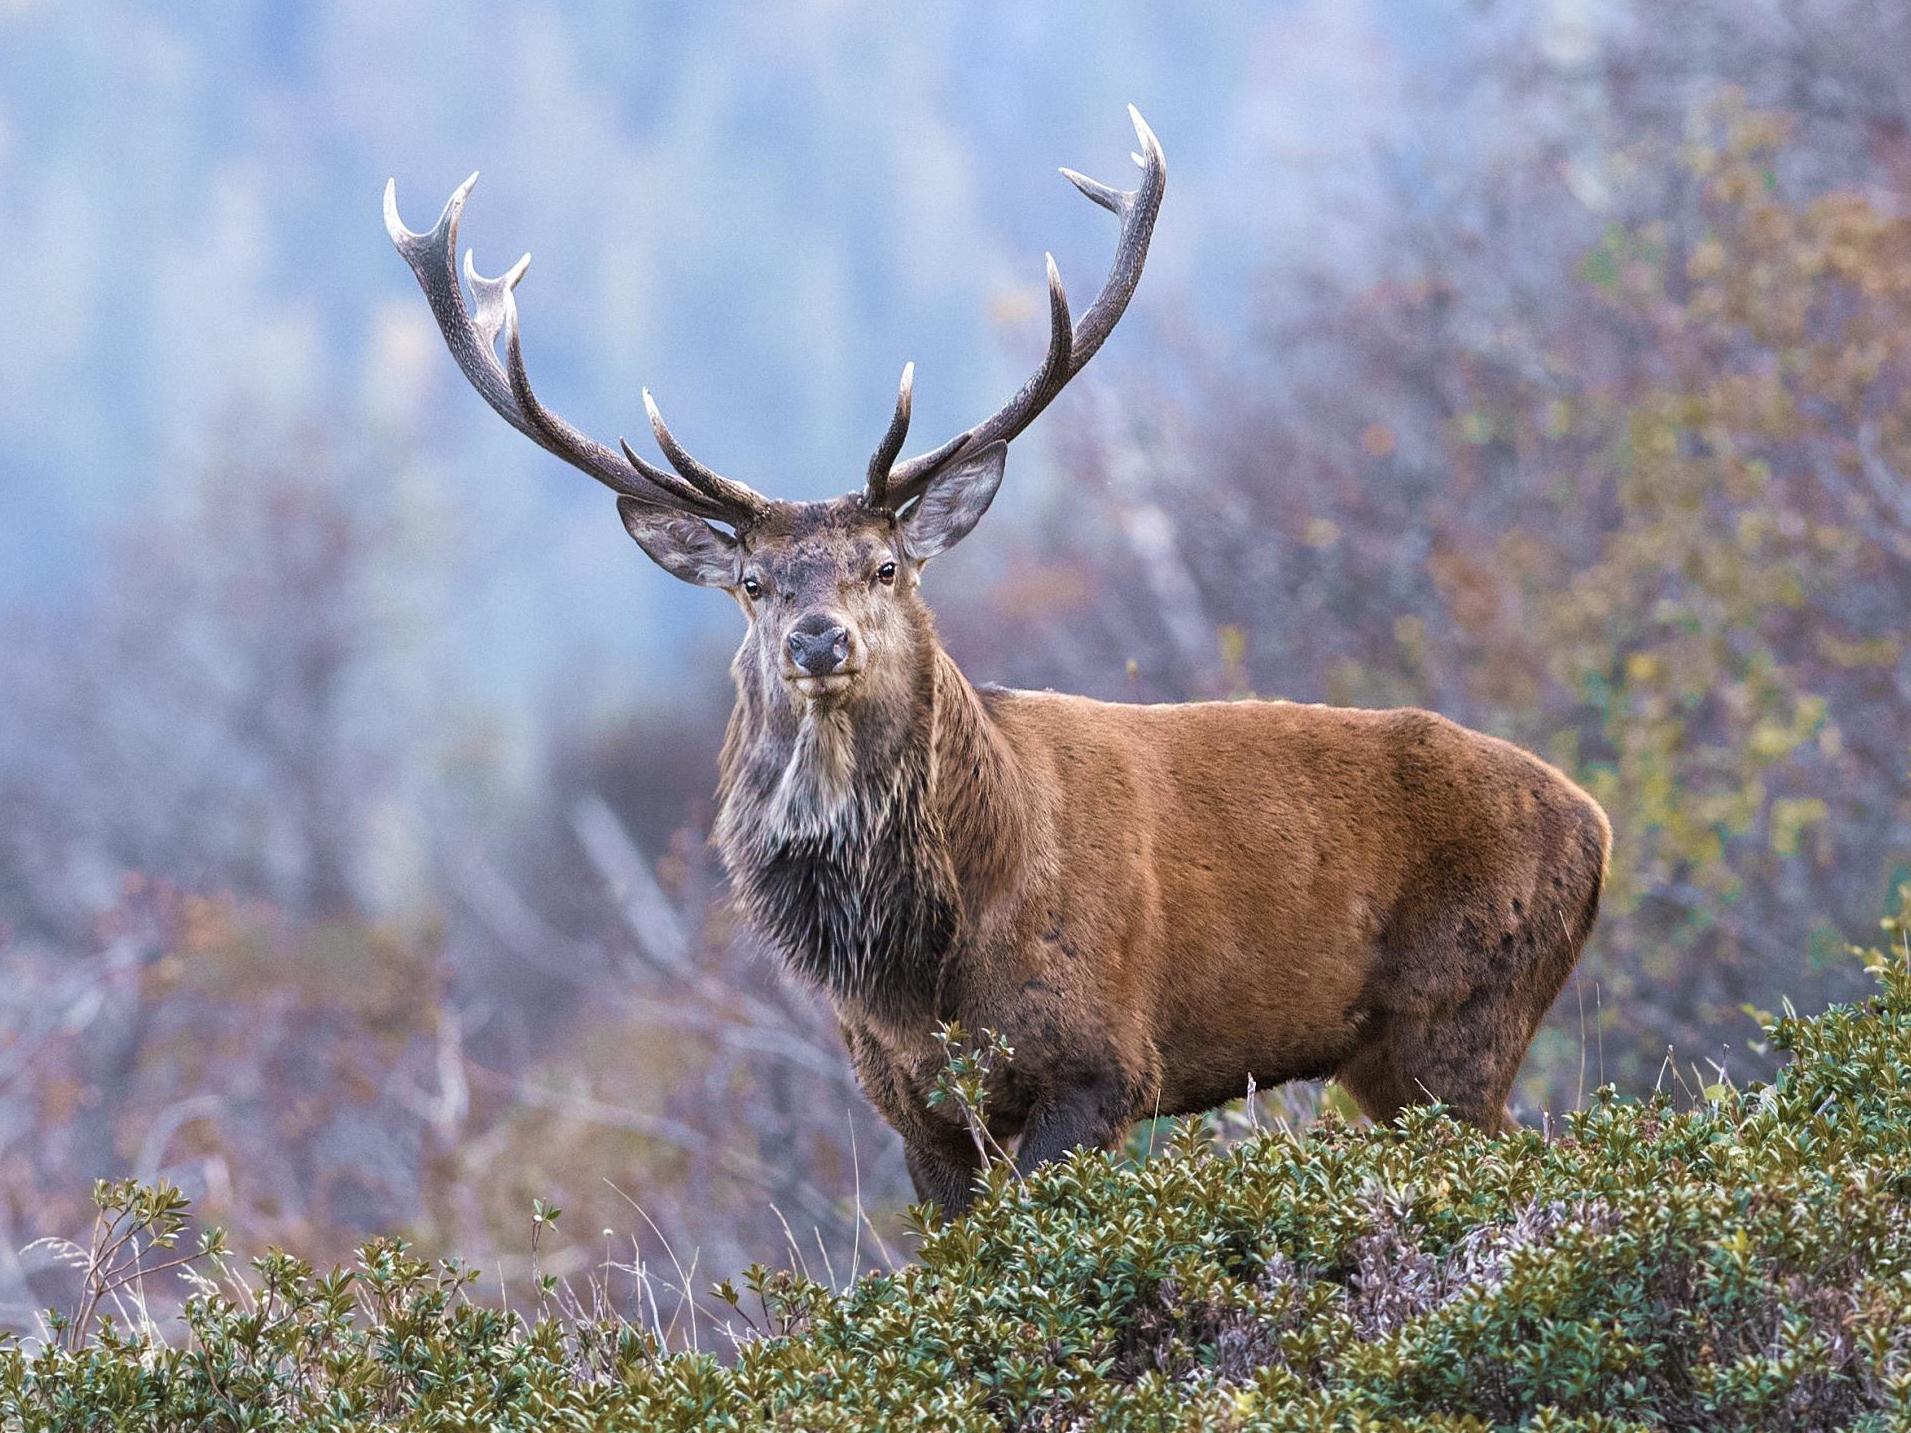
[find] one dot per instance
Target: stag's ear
(954, 503)
(684, 546)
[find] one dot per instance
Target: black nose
(818, 645)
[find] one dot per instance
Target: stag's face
(827, 591)
(830, 589)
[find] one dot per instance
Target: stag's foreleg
(1086, 1110)
(943, 1172)
(941, 1155)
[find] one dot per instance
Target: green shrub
(1745, 1263)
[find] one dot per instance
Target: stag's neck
(981, 798)
(866, 840)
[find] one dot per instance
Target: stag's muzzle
(818, 645)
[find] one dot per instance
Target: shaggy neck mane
(852, 834)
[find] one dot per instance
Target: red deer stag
(1152, 904)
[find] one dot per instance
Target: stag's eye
(886, 574)
(752, 588)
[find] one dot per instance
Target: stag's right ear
(684, 546)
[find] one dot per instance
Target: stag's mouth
(830, 684)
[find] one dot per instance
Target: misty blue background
(759, 211)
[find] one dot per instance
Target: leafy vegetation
(1744, 1262)
(1582, 416)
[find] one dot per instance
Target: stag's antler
(472, 338)
(893, 484)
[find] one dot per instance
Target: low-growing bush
(1741, 1263)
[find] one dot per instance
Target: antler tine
(1070, 348)
(472, 338)
(552, 431)
(727, 491)
(886, 452)
(681, 493)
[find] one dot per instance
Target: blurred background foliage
(1546, 365)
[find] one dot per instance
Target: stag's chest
(864, 909)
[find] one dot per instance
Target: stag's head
(830, 589)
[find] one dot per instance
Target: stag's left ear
(684, 546)
(954, 503)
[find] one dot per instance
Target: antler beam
(1069, 346)
(472, 338)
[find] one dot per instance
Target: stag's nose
(818, 645)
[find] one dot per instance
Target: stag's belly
(1258, 1013)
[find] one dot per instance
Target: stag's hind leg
(1457, 1027)
(1465, 1061)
